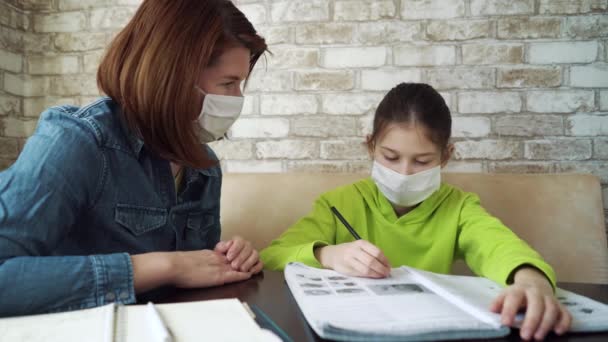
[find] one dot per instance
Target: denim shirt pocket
(139, 220)
(201, 230)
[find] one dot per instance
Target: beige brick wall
(527, 80)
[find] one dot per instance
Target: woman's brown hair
(152, 66)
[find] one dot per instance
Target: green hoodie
(449, 225)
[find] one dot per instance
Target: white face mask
(218, 114)
(404, 190)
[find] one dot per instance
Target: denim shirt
(84, 194)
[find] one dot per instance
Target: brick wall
(527, 80)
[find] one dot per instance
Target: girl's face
(226, 75)
(406, 149)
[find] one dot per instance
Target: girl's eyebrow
(417, 155)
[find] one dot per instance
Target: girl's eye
(227, 84)
(391, 158)
(422, 162)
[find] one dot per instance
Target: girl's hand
(532, 290)
(241, 255)
(359, 258)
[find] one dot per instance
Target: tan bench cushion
(561, 216)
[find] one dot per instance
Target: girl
(406, 216)
(122, 196)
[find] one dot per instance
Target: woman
(120, 197)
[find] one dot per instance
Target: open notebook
(413, 305)
(214, 320)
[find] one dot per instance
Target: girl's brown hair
(413, 103)
(153, 65)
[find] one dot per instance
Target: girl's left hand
(532, 290)
(241, 255)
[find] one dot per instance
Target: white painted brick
(92, 60)
(287, 149)
(432, 9)
(489, 102)
(596, 168)
(11, 61)
(250, 105)
(322, 166)
(10, 105)
(293, 57)
(291, 11)
(600, 148)
(388, 32)
(270, 80)
(470, 127)
(71, 5)
(82, 41)
(560, 101)
(605, 198)
(325, 33)
(424, 55)
(52, 65)
(604, 99)
(37, 43)
(589, 76)
(355, 57)
(458, 29)
(521, 167)
(477, 54)
(227, 149)
(324, 126)
(276, 35)
(562, 52)
(501, 7)
(571, 6)
(487, 149)
(366, 125)
(288, 104)
(325, 80)
(364, 10)
(529, 125)
(349, 104)
(587, 26)
(256, 13)
(260, 128)
(353, 148)
(33, 107)
(18, 128)
(111, 18)
(559, 149)
(463, 166)
(385, 79)
(72, 85)
(461, 78)
(254, 166)
(588, 125)
(25, 85)
(59, 22)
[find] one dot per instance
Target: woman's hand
(532, 290)
(241, 255)
(201, 268)
(359, 258)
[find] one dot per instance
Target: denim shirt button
(124, 295)
(110, 297)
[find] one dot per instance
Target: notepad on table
(213, 320)
(413, 304)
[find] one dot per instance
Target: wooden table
(270, 292)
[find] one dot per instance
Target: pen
(345, 223)
(267, 323)
(160, 330)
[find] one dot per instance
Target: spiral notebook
(213, 320)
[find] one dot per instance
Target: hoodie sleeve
(298, 242)
(491, 249)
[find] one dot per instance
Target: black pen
(345, 223)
